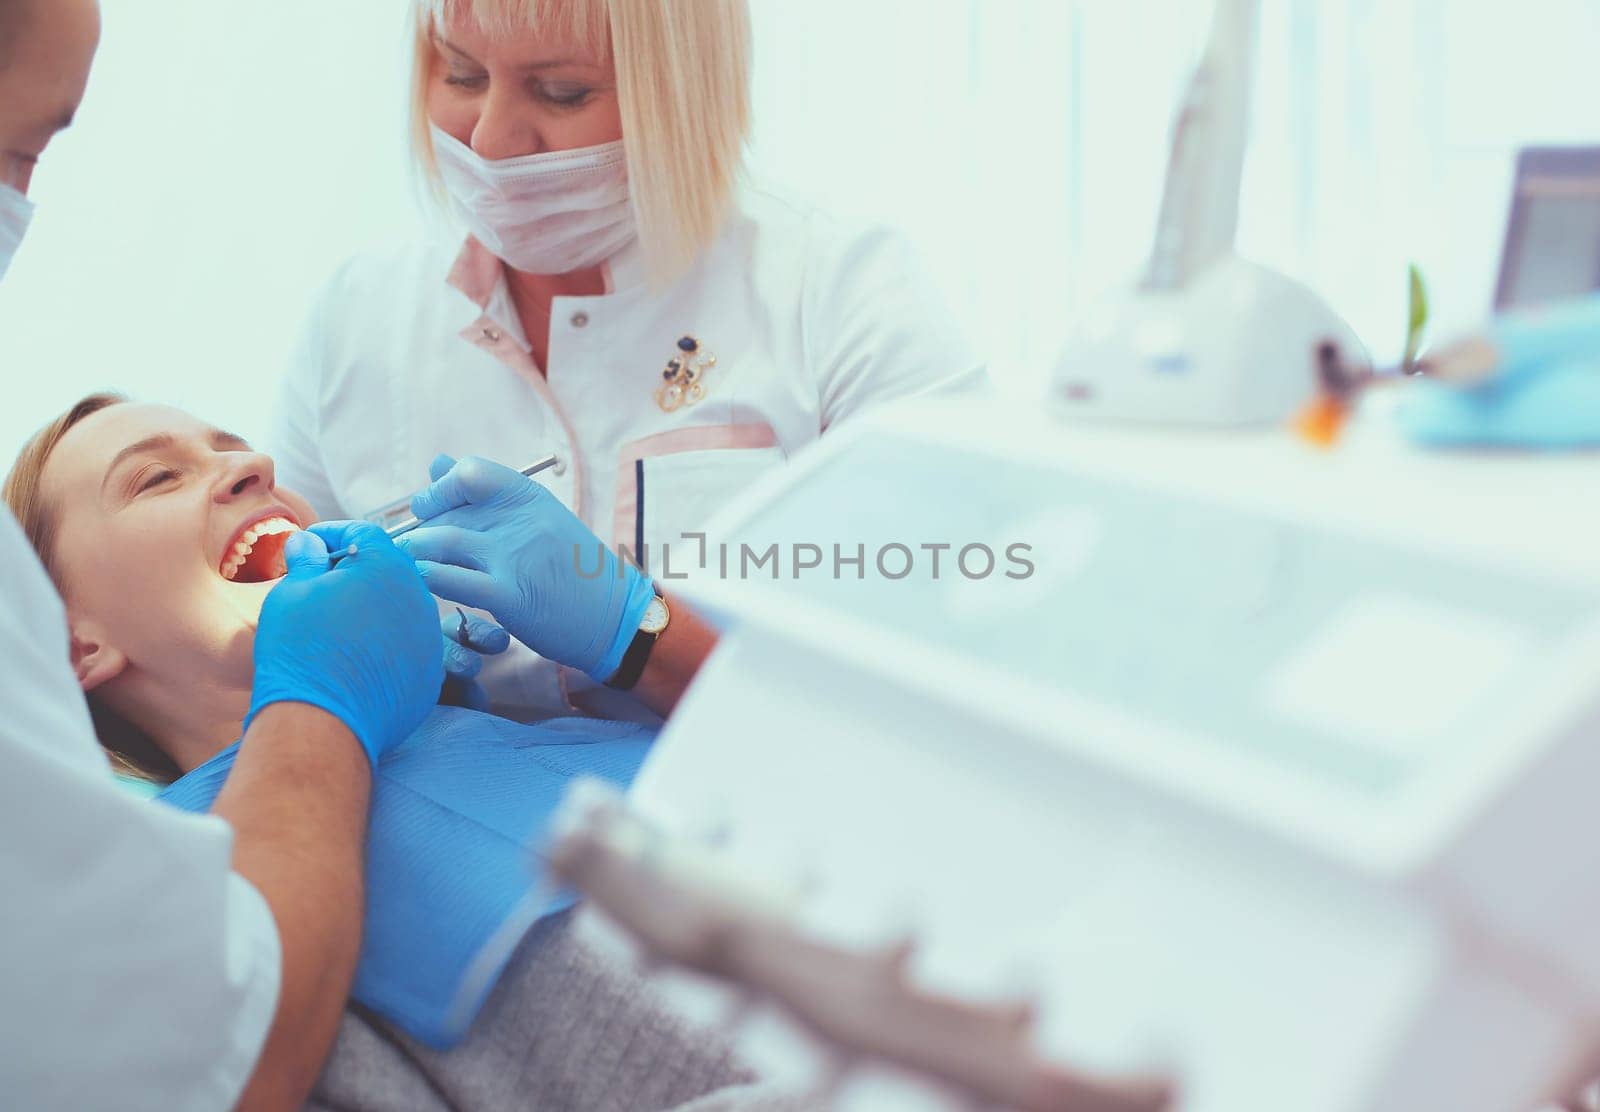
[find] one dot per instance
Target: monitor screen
(1552, 248)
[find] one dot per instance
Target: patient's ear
(94, 658)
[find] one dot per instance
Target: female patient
(164, 536)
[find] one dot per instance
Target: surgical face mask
(16, 212)
(545, 213)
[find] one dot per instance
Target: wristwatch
(656, 617)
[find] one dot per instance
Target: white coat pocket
(676, 483)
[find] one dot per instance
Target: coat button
(492, 335)
(580, 319)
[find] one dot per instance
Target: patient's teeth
(242, 547)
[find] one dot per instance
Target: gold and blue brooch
(683, 379)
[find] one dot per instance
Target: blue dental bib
(458, 811)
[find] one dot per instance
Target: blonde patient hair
(131, 751)
(683, 85)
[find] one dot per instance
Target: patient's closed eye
(155, 478)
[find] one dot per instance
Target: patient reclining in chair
(164, 536)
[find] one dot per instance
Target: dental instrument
(682, 905)
(497, 639)
(397, 519)
(516, 551)
(1530, 379)
(1339, 385)
(1207, 337)
(337, 558)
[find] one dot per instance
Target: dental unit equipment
(1530, 378)
(1207, 338)
(1339, 385)
(1275, 775)
(863, 1003)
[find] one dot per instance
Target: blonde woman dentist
(623, 297)
(211, 973)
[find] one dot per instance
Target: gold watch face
(655, 617)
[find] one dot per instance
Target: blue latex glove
(360, 640)
(496, 540)
(463, 658)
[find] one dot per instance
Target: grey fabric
(565, 1029)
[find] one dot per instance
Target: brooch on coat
(684, 377)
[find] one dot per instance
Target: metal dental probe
(386, 515)
(389, 517)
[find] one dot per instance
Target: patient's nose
(245, 471)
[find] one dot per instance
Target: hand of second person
(494, 539)
(467, 641)
(360, 640)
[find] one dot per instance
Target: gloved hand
(360, 640)
(463, 658)
(496, 540)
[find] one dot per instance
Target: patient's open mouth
(256, 555)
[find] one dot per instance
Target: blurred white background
(229, 155)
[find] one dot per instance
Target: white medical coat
(137, 971)
(411, 353)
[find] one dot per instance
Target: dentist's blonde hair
(683, 85)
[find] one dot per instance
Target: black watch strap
(633, 661)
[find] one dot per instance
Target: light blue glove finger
(460, 662)
(440, 466)
(482, 635)
(474, 482)
(529, 562)
(470, 588)
(449, 544)
(360, 640)
(305, 554)
(464, 654)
